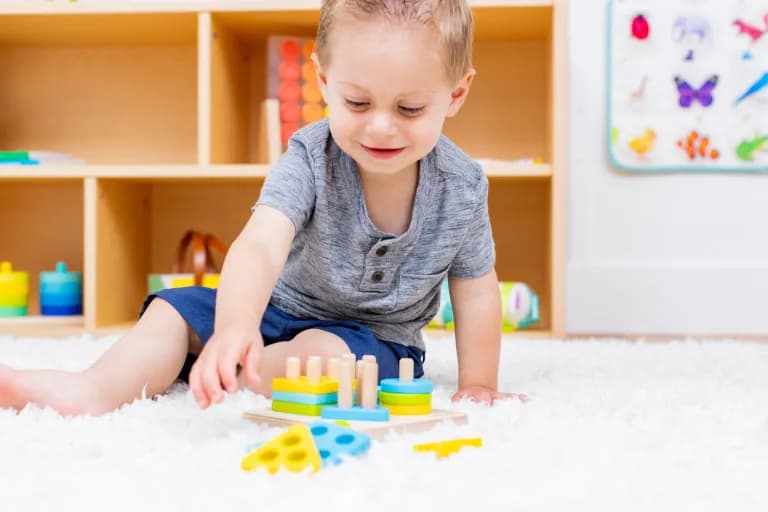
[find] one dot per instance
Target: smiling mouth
(382, 152)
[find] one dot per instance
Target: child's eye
(410, 111)
(358, 106)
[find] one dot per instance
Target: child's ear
(322, 80)
(460, 92)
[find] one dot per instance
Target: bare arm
(477, 313)
(251, 268)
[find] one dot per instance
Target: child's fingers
(196, 385)
(227, 369)
(252, 361)
(509, 396)
(210, 379)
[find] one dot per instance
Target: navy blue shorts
(197, 305)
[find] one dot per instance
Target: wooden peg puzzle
(350, 391)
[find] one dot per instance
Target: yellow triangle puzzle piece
(294, 450)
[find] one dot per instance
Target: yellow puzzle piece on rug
(445, 448)
(294, 450)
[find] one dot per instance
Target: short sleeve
(477, 253)
(290, 185)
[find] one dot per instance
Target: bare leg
(312, 342)
(150, 355)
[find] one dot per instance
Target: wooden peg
(359, 378)
(346, 374)
(368, 384)
(292, 368)
(314, 368)
(333, 368)
(349, 357)
(406, 369)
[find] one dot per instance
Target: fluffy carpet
(612, 425)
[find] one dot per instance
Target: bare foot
(68, 393)
(8, 393)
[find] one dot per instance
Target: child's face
(387, 93)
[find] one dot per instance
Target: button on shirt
(341, 266)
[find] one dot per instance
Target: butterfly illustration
(688, 94)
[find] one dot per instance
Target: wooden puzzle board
(680, 71)
(376, 429)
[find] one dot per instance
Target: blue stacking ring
(417, 386)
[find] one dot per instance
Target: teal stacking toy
(61, 292)
(14, 291)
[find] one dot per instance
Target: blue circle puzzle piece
(417, 386)
(334, 441)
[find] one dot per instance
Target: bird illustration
(643, 144)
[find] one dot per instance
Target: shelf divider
(204, 88)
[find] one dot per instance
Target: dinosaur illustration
(754, 33)
(747, 148)
(639, 94)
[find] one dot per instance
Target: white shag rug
(612, 425)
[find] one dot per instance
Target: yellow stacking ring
(408, 410)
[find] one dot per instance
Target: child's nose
(381, 124)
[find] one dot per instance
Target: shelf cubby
(238, 83)
(520, 218)
(103, 88)
(139, 223)
(509, 95)
(42, 223)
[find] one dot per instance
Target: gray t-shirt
(341, 266)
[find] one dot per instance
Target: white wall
(660, 254)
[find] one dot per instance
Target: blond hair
(451, 19)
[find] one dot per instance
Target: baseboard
(666, 299)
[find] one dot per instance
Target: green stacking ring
(6, 312)
(404, 398)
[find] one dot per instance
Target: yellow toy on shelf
(14, 291)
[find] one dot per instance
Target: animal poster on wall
(688, 85)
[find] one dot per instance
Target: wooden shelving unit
(165, 103)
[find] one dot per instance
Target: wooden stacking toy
(348, 393)
(406, 395)
(14, 291)
(365, 376)
(305, 394)
(61, 292)
(349, 390)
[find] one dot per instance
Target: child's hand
(485, 395)
(217, 365)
